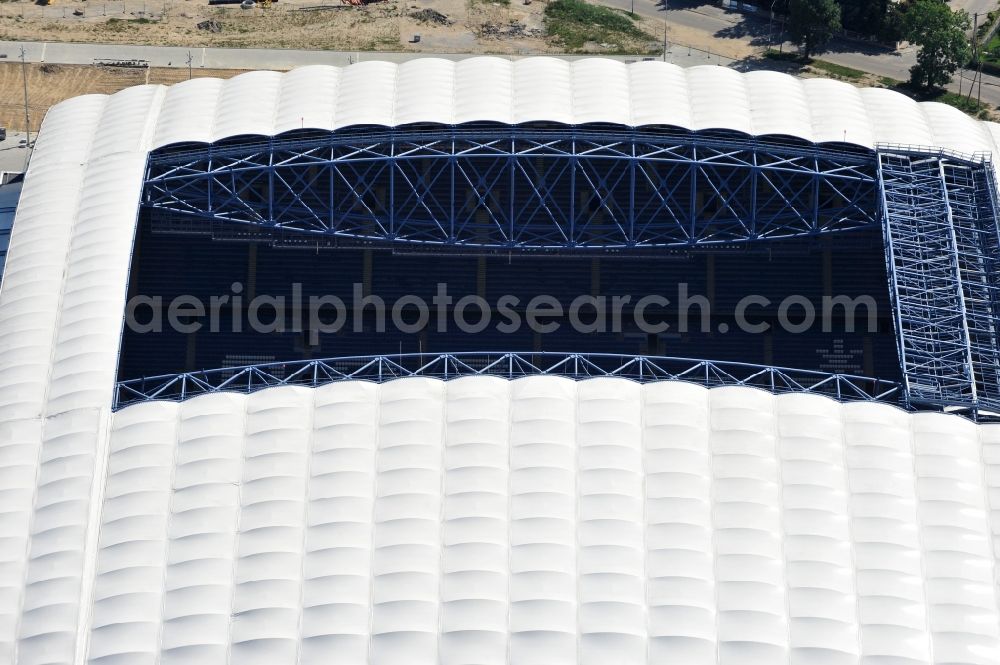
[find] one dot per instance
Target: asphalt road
(13, 154)
(758, 30)
(223, 58)
(715, 22)
(974, 6)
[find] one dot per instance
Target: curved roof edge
(885, 408)
(541, 89)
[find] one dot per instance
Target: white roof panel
(479, 520)
(128, 121)
(543, 91)
(243, 506)
(896, 119)
(247, 105)
(778, 105)
(590, 90)
(69, 130)
(425, 92)
(955, 130)
(367, 95)
(838, 113)
(187, 112)
(718, 99)
(659, 94)
(484, 90)
(307, 99)
(601, 91)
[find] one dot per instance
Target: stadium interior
(168, 263)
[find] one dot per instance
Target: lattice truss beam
(521, 187)
(510, 365)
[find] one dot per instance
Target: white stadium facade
(500, 505)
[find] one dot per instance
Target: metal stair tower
(942, 252)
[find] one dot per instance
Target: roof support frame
(567, 188)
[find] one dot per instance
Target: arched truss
(508, 365)
(521, 188)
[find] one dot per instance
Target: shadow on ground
(760, 33)
(758, 62)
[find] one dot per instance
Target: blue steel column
(959, 286)
(897, 318)
(631, 196)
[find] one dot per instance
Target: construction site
(472, 26)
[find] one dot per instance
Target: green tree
(877, 18)
(941, 35)
(812, 23)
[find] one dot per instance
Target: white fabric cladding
(544, 521)
(429, 90)
(61, 305)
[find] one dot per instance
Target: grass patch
(991, 50)
(786, 56)
(575, 23)
(634, 17)
(961, 102)
(986, 26)
(121, 24)
(839, 71)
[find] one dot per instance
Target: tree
(876, 18)
(812, 23)
(941, 35)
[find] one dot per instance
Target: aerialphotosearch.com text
(470, 313)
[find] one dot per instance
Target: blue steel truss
(312, 373)
(516, 188)
(527, 188)
(943, 254)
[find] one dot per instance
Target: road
(13, 154)
(716, 25)
(758, 31)
(229, 58)
(974, 6)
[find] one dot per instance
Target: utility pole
(979, 86)
(664, 39)
(979, 64)
(975, 28)
(189, 65)
(770, 27)
(27, 121)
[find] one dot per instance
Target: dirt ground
(464, 26)
(50, 84)
(467, 26)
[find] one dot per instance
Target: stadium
(251, 484)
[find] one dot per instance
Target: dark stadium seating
(169, 264)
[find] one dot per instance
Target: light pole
(664, 39)
(27, 122)
(770, 25)
(189, 65)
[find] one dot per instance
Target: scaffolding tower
(942, 250)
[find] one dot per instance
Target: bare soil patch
(50, 84)
(445, 26)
